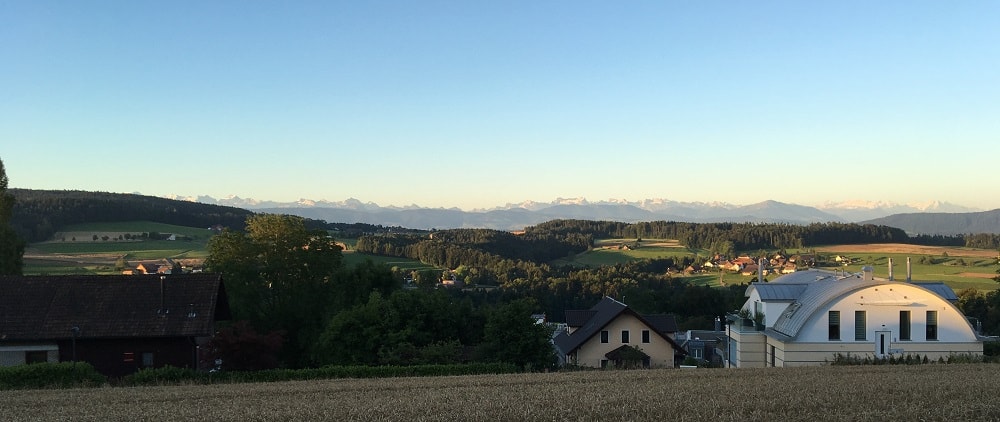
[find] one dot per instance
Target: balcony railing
(741, 324)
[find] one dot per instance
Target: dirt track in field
(900, 248)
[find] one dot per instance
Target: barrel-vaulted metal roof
(809, 291)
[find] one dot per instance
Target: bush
(50, 375)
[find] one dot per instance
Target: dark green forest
(37, 214)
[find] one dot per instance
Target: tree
(241, 348)
(278, 277)
(512, 336)
(11, 246)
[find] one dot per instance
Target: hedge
(50, 375)
(172, 376)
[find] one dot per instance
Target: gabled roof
(663, 323)
(777, 291)
(940, 289)
(602, 314)
(48, 307)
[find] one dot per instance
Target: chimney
(869, 273)
(760, 270)
(163, 307)
(890, 269)
(909, 272)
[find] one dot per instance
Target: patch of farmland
(902, 248)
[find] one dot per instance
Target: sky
(475, 104)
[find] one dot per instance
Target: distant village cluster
(745, 265)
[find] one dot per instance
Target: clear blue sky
(473, 104)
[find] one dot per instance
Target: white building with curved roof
(807, 317)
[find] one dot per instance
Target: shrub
(50, 375)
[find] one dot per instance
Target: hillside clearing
(923, 392)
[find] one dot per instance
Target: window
(645, 336)
(604, 363)
(904, 325)
(834, 318)
(860, 326)
(932, 325)
(604, 336)
(36, 356)
(147, 359)
(772, 355)
(625, 336)
(696, 353)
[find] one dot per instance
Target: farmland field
(869, 393)
(960, 268)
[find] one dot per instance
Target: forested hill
(947, 224)
(38, 214)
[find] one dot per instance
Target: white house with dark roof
(807, 317)
(611, 333)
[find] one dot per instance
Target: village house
(704, 346)
(118, 324)
(807, 317)
(611, 334)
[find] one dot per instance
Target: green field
(939, 392)
(85, 256)
(146, 249)
(138, 227)
(354, 258)
(607, 252)
(976, 276)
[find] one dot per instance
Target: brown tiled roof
(47, 307)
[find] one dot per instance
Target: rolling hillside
(943, 223)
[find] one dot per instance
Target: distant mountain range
(518, 216)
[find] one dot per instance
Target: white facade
(813, 315)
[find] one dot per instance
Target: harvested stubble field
(923, 392)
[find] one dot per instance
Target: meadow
(861, 393)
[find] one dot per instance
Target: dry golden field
(959, 392)
(902, 248)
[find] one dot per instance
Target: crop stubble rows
(926, 392)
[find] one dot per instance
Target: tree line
(289, 282)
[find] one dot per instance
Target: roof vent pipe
(909, 271)
(890, 269)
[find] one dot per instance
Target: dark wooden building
(119, 324)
